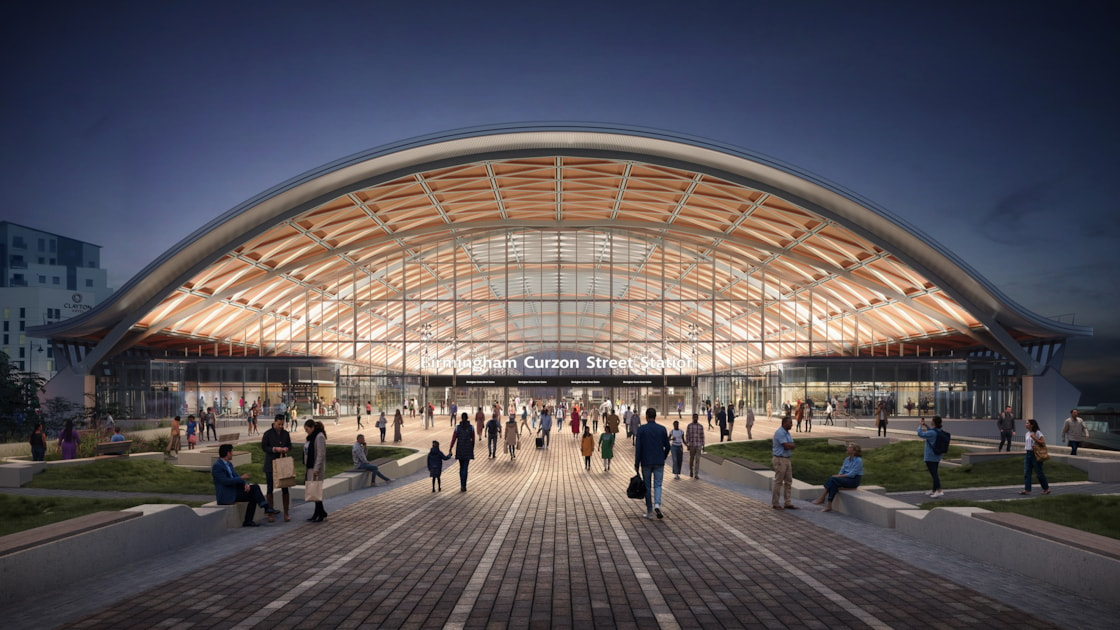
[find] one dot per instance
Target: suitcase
(540, 442)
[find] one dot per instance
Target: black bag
(940, 444)
(637, 488)
(540, 442)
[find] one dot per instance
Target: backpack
(940, 444)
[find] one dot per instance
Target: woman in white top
(676, 448)
(1030, 462)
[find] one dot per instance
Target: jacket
(651, 446)
(226, 481)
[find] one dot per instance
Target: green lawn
(897, 467)
(1096, 514)
(157, 477)
(21, 513)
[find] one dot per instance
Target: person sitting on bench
(361, 462)
(231, 487)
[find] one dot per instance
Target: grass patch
(1090, 513)
(897, 467)
(140, 475)
(23, 513)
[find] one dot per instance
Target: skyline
(990, 130)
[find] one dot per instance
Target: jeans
(932, 466)
(833, 484)
(373, 469)
(1032, 464)
(678, 458)
(653, 490)
(1004, 437)
(1073, 446)
(38, 454)
(463, 465)
(492, 445)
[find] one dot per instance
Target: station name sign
(637, 365)
(444, 380)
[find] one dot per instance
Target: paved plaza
(539, 542)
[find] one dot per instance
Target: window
(42, 261)
(54, 261)
(5, 325)
(18, 280)
(54, 280)
(17, 241)
(89, 283)
(6, 340)
(42, 279)
(22, 312)
(54, 246)
(42, 244)
(22, 324)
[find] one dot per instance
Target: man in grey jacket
(1006, 425)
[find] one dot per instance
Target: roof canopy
(601, 241)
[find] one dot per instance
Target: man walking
(651, 447)
(546, 426)
(464, 436)
(1006, 425)
(492, 431)
(782, 447)
(1073, 431)
(694, 440)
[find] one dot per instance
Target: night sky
(990, 126)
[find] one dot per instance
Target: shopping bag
(1040, 452)
(283, 472)
(637, 488)
(313, 490)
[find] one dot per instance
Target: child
(435, 465)
(606, 449)
(192, 433)
(587, 447)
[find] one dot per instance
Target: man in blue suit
(231, 487)
(651, 447)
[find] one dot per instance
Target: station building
(570, 261)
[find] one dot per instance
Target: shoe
(287, 519)
(657, 511)
(1024, 492)
(1046, 491)
(647, 515)
(790, 507)
(271, 511)
(250, 524)
(937, 495)
(776, 507)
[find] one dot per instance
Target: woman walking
(575, 422)
(606, 449)
(38, 443)
(513, 432)
(315, 459)
(587, 448)
(1031, 462)
(398, 422)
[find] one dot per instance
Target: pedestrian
(808, 417)
(276, 443)
(828, 413)
(850, 475)
(546, 426)
(230, 487)
(651, 447)
(730, 421)
(606, 449)
(524, 421)
(211, 423)
(721, 421)
(454, 409)
(382, 424)
(612, 421)
(1006, 425)
(587, 448)
(750, 423)
(315, 460)
(192, 432)
(493, 430)
(360, 455)
(173, 445)
(931, 458)
(881, 419)
(635, 423)
(799, 415)
(464, 437)
(513, 434)
(480, 422)
(676, 448)
(359, 419)
(694, 440)
(575, 421)
(398, 422)
(781, 449)
(1031, 462)
(435, 465)
(1074, 431)
(38, 443)
(680, 407)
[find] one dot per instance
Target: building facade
(578, 262)
(44, 278)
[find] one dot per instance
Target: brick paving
(540, 543)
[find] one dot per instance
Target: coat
(226, 481)
(463, 441)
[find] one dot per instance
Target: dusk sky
(990, 126)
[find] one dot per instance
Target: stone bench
(17, 474)
(868, 506)
(229, 437)
(27, 539)
(203, 458)
(119, 449)
(1103, 545)
(234, 512)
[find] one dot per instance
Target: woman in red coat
(575, 421)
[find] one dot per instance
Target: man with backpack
(937, 444)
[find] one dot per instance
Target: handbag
(283, 472)
(637, 488)
(1040, 452)
(313, 490)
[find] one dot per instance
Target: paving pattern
(541, 543)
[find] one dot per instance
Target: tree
(19, 397)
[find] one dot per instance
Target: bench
(27, 539)
(1103, 545)
(868, 506)
(228, 438)
(113, 448)
(748, 464)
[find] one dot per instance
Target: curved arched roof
(573, 237)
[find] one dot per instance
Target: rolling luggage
(540, 442)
